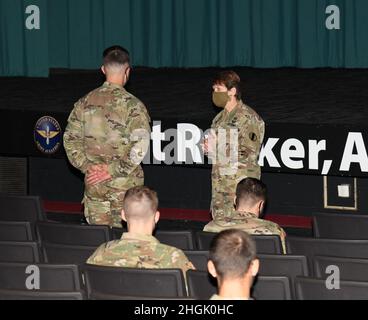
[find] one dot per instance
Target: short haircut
(140, 203)
(249, 191)
(232, 252)
(229, 79)
(115, 56)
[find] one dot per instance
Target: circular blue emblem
(47, 135)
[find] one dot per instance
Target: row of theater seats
(307, 257)
(27, 238)
(84, 235)
(327, 226)
(96, 282)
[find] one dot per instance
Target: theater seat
(16, 231)
(117, 233)
(183, 240)
(198, 258)
(27, 252)
(340, 226)
(203, 286)
(21, 208)
(39, 295)
(52, 277)
(284, 265)
(272, 288)
(311, 247)
(266, 244)
(350, 269)
(70, 234)
(316, 289)
(64, 254)
(102, 296)
(134, 282)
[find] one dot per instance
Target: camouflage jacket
(251, 131)
(99, 131)
(248, 222)
(140, 251)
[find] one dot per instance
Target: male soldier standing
(101, 141)
(235, 142)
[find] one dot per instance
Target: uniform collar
(247, 214)
(230, 115)
(112, 85)
(140, 237)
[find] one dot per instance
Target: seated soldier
(233, 262)
(249, 203)
(138, 248)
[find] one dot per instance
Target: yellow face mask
(220, 99)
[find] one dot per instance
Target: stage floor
(301, 96)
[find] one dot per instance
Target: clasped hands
(97, 174)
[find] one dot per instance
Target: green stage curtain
(183, 33)
(23, 52)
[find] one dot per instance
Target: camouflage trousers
(104, 211)
(223, 196)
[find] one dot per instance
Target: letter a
(33, 20)
(333, 281)
(333, 21)
(33, 281)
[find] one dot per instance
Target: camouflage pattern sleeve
(283, 239)
(74, 138)
(180, 261)
(251, 135)
(97, 255)
(136, 137)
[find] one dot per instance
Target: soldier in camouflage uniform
(234, 144)
(250, 199)
(138, 248)
(106, 138)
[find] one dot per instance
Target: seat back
(311, 247)
(51, 277)
(117, 233)
(266, 244)
(204, 239)
(183, 240)
(198, 258)
(340, 226)
(272, 288)
(70, 234)
(103, 296)
(39, 295)
(64, 254)
(134, 282)
(350, 269)
(27, 252)
(16, 231)
(21, 208)
(316, 289)
(284, 265)
(201, 285)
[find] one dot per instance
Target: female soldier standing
(234, 144)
